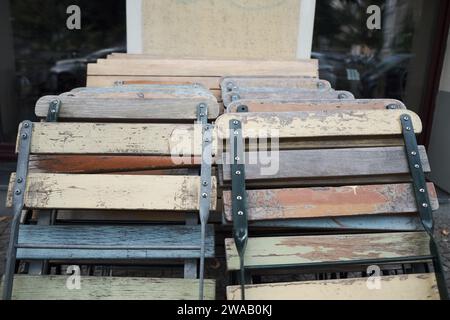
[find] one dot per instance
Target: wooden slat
(271, 105)
(205, 68)
(119, 192)
(98, 164)
(368, 223)
(403, 287)
(110, 80)
(115, 138)
(127, 106)
(288, 94)
(303, 250)
(309, 165)
(273, 204)
(318, 124)
(169, 237)
(109, 288)
(274, 82)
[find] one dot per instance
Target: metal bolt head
(408, 128)
(416, 166)
(239, 198)
(406, 118)
(202, 105)
(19, 180)
(55, 102)
(235, 122)
(236, 132)
(422, 190)
(238, 173)
(204, 195)
(205, 183)
(425, 205)
(414, 153)
(26, 124)
(392, 106)
(18, 192)
(237, 158)
(240, 213)
(24, 136)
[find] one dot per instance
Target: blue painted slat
(113, 236)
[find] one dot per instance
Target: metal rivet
(238, 173)
(19, 180)
(237, 158)
(202, 114)
(417, 166)
(240, 213)
(205, 183)
(408, 128)
(425, 205)
(18, 192)
(414, 153)
(235, 122)
(342, 96)
(230, 86)
(55, 102)
(24, 136)
(26, 124)
(202, 105)
(422, 190)
(204, 195)
(406, 118)
(236, 133)
(239, 198)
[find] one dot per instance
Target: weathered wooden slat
(402, 287)
(110, 80)
(271, 105)
(205, 68)
(297, 203)
(303, 250)
(152, 90)
(308, 165)
(318, 124)
(109, 288)
(274, 82)
(288, 94)
(128, 106)
(119, 192)
(169, 239)
(98, 164)
(368, 223)
(115, 138)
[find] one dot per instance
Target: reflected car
(71, 73)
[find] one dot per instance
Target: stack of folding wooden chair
(91, 167)
(345, 214)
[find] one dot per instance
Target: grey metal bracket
(239, 196)
(53, 110)
(24, 143)
(422, 198)
(205, 185)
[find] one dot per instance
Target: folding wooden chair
(79, 187)
(355, 178)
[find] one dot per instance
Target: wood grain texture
(403, 287)
(110, 80)
(271, 105)
(169, 237)
(203, 68)
(114, 138)
(318, 124)
(274, 82)
(327, 163)
(99, 164)
(273, 204)
(288, 94)
(127, 192)
(368, 223)
(303, 250)
(109, 288)
(128, 106)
